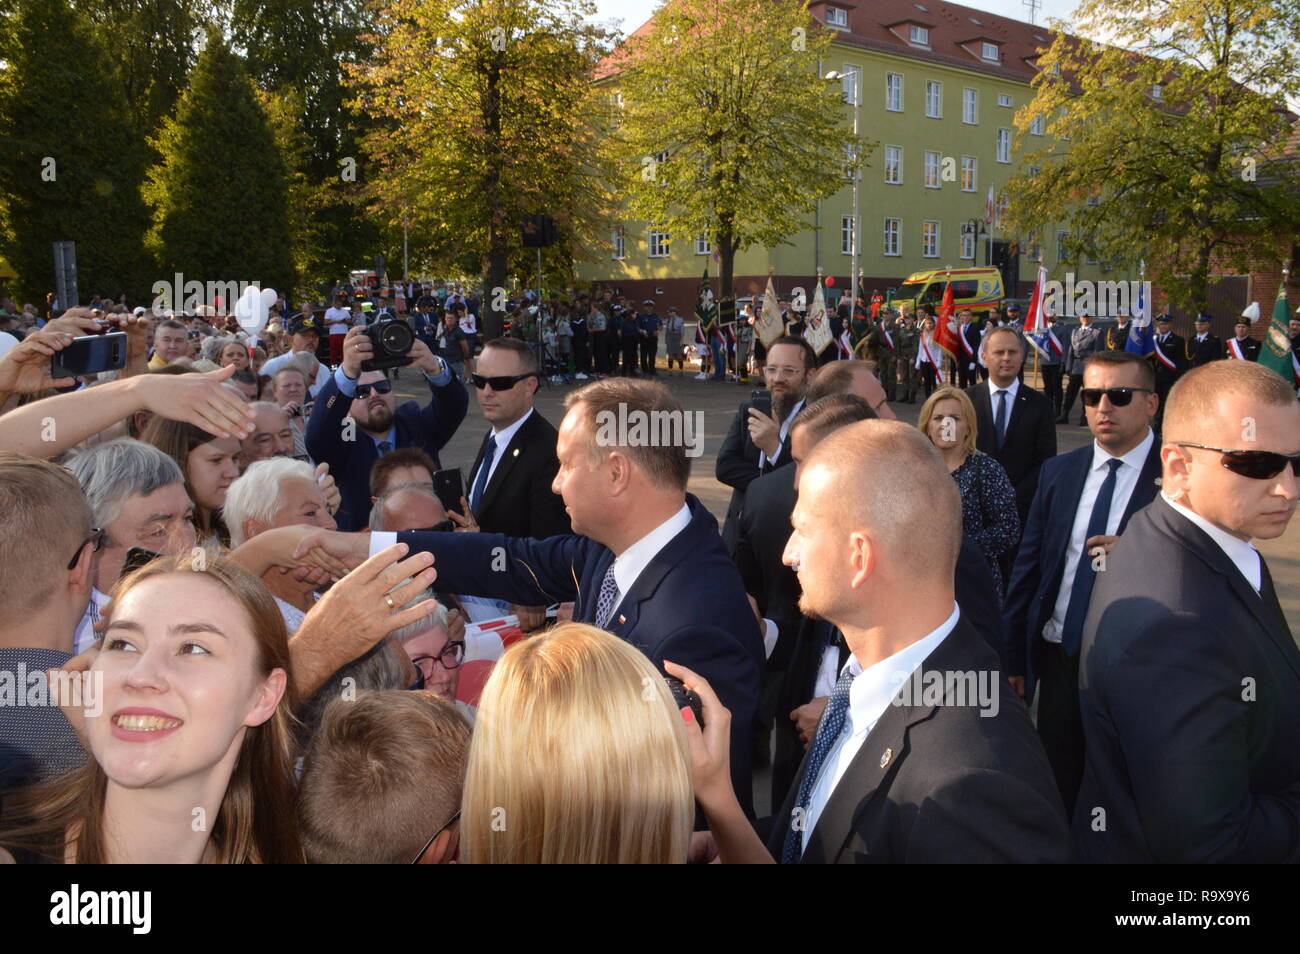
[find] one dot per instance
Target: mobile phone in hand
(761, 399)
(90, 354)
(449, 486)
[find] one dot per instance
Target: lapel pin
(622, 618)
(516, 453)
(886, 756)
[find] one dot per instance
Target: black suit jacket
(1203, 352)
(688, 605)
(1250, 348)
(1189, 687)
(518, 500)
(1040, 563)
(1031, 438)
(942, 782)
(737, 467)
(762, 531)
(1175, 349)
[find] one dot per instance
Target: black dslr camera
(392, 339)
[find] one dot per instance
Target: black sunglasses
(96, 540)
(1257, 465)
(450, 821)
(502, 382)
(379, 387)
(1120, 397)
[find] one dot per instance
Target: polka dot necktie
(828, 731)
(605, 601)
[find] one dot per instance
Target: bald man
(1189, 682)
(408, 507)
(924, 753)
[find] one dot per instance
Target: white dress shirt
(629, 564)
(503, 439)
(1012, 390)
(1126, 478)
(1241, 552)
(870, 694)
(785, 432)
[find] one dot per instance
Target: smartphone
(761, 398)
(686, 697)
(449, 485)
(137, 557)
(90, 354)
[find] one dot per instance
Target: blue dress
(988, 509)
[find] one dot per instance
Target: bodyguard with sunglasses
(1190, 677)
(1084, 500)
(355, 420)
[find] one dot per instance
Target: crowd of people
(246, 597)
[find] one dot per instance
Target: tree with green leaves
(727, 129)
(72, 163)
(486, 107)
(220, 193)
(1168, 127)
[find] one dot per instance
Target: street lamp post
(857, 223)
(976, 228)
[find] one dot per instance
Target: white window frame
(657, 239)
(848, 233)
(894, 92)
(850, 154)
(918, 35)
(849, 77)
(1036, 126)
(896, 234)
(703, 246)
(1004, 99)
(970, 106)
(973, 164)
(929, 239)
(933, 160)
(934, 103)
(985, 46)
(838, 18)
(1158, 92)
(967, 252)
(896, 166)
(1062, 236)
(620, 244)
(1004, 145)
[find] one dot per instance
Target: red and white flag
(1034, 321)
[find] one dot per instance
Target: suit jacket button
(885, 756)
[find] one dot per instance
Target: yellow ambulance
(979, 289)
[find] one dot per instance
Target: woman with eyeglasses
(988, 500)
(436, 648)
(191, 750)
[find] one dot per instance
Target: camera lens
(396, 338)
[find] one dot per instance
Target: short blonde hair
(579, 756)
(950, 393)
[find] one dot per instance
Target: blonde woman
(988, 500)
(579, 755)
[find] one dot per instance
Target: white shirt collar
(1136, 458)
(632, 561)
(1242, 554)
(506, 434)
(1011, 390)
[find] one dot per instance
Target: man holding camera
(355, 420)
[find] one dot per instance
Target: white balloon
(7, 341)
(269, 296)
(251, 310)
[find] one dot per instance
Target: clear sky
(633, 13)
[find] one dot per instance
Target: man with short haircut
(377, 425)
(47, 547)
(894, 773)
(1190, 677)
(969, 346)
(1204, 346)
(756, 443)
(1084, 502)
(1169, 360)
(337, 319)
(382, 781)
(137, 496)
(649, 566)
(170, 341)
(401, 467)
(1014, 423)
(510, 482)
(1242, 347)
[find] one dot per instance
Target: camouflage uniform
(908, 339)
(886, 358)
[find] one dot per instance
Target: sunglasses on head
(1257, 465)
(379, 387)
(501, 382)
(1120, 397)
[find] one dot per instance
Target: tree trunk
(494, 256)
(1199, 280)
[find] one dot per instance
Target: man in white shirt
(337, 319)
(1084, 501)
(1190, 683)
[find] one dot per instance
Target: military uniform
(1203, 348)
(1173, 347)
(878, 343)
(1085, 341)
(1249, 348)
(907, 338)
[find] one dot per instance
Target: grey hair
(113, 472)
(211, 348)
(382, 667)
(377, 523)
(256, 494)
(436, 618)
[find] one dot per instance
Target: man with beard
(756, 442)
(355, 421)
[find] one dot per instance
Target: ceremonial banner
(1277, 353)
(817, 331)
(769, 325)
(946, 336)
(705, 310)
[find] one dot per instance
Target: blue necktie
(481, 479)
(385, 447)
(1000, 422)
(828, 731)
(1084, 575)
(605, 601)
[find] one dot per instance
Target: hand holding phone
(449, 486)
(761, 399)
(90, 354)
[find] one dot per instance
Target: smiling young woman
(195, 709)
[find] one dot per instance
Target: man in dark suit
(967, 358)
(1203, 347)
(354, 421)
(510, 482)
(923, 753)
(649, 566)
(1169, 361)
(1080, 506)
(1242, 347)
(1190, 682)
(758, 443)
(1015, 424)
